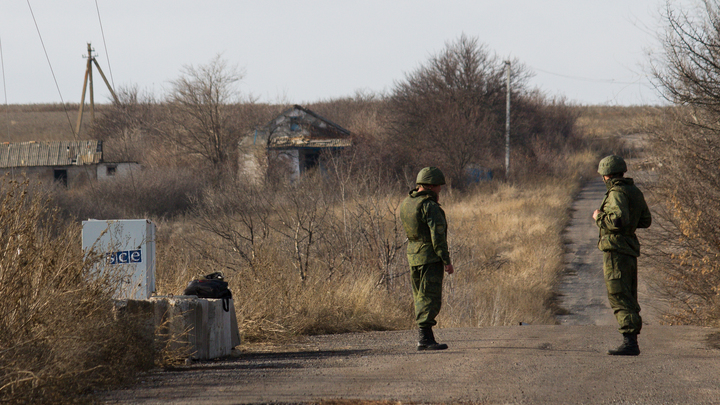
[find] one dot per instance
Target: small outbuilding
(67, 162)
(293, 142)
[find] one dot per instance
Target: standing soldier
(427, 251)
(622, 211)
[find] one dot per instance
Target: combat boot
(427, 341)
(629, 346)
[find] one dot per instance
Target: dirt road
(535, 364)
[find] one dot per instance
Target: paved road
(499, 365)
(583, 290)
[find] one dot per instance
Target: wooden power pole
(507, 122)
(88, 79)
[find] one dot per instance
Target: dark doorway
(310, 159)
(60, 175)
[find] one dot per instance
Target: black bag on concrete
(211, 286)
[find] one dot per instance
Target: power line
(51, 68)
(586, 79)
(7, 109)
(107, 55)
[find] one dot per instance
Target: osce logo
(125, 257)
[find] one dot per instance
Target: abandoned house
(68, 162)
(293, 142)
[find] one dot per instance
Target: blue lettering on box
(124, 257)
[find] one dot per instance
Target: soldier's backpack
(212, 285)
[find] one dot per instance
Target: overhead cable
(586, 79)
(51, 69)
(7, 109)
(107, 56)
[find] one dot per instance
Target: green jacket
(426, 228)
(623, 210)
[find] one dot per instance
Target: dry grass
(39, 122)
(606, 121)
(508, 254)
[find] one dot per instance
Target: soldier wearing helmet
(622, 211)
(427, 251)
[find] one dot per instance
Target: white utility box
(128, 244)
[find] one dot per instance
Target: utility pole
(507, 121)
(89, 79)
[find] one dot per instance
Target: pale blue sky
(591, 52)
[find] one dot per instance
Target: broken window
(294, 125)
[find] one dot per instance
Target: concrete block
(198, 326)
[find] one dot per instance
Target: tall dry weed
(508, 254)
(59, 335)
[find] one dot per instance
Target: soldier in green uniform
(427, 251)
(622, 211)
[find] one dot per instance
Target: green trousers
(621, 281)
(427, 292)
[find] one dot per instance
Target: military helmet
(430, 175)
(612, 164)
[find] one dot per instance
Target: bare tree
(686, 245)
(688, 71)
(452, 109)
(235, 218)
(200, 120)
(451, 113)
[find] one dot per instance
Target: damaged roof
(54, 153)
(299, 127)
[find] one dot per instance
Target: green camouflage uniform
(623, 210)
(427, 252)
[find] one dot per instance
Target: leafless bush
(685, 240)
(683, 243)
(127, 127)
(58, 333)
(451, 113)
(312, 263)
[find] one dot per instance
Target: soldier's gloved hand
(449, 269)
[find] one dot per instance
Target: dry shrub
(682, 245)
(271, 301)
(298, 261)
(59, 335)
